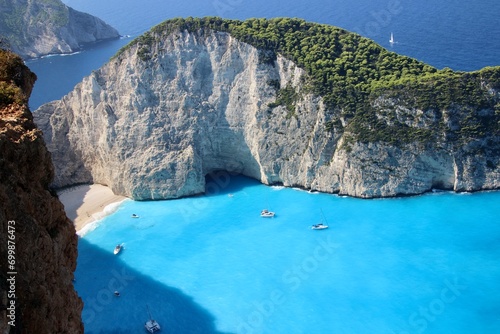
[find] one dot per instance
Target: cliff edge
(38, 242)
(283, 101)
(35, 28)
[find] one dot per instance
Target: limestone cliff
(185, 100)
(43, 243)
(34, 28)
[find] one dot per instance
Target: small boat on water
(134, 216)
(319, 226)
(151, 325)
(266, 213)
(392, 41)
(118, 249)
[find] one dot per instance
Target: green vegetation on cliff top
(350, 72)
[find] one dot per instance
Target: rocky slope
(34, 28)
(44, 247)
(185, 100)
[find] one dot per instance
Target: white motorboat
(134, 216)
(392, 41)
(118, 249)
(266, 213)
(151, 325)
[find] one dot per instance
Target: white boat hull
(319, 227)
(267, 214)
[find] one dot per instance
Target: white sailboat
(320, 226)
(392, 41)
(267, 213)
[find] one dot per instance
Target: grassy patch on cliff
(350, 72)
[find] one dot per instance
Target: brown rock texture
(43, 245)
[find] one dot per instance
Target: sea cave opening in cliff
(227, 182)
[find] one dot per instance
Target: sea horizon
(421, 31)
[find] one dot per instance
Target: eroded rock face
(156, 119)
(45, 239)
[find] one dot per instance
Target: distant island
(36, 28)
(284, 101)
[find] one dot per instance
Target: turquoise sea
(211, 264)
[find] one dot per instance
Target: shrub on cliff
(13, 85)
(350, 72)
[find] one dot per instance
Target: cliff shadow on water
(100, 273)
(222, 182)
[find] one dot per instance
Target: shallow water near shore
(211, 264)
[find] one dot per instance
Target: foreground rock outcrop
(35, 231)
(188, 99)
(34, 28)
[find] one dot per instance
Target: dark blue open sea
(211, 264)
(462, 35)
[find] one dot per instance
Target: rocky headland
(34, 28)
(35, 232)
(283, 101)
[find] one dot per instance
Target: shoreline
(85, 204)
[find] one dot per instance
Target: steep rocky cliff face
(35, 28)
(180, 103)
(43, 243)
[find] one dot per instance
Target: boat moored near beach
(266, 213)
(319, 226)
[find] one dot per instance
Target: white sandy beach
(86, 203)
